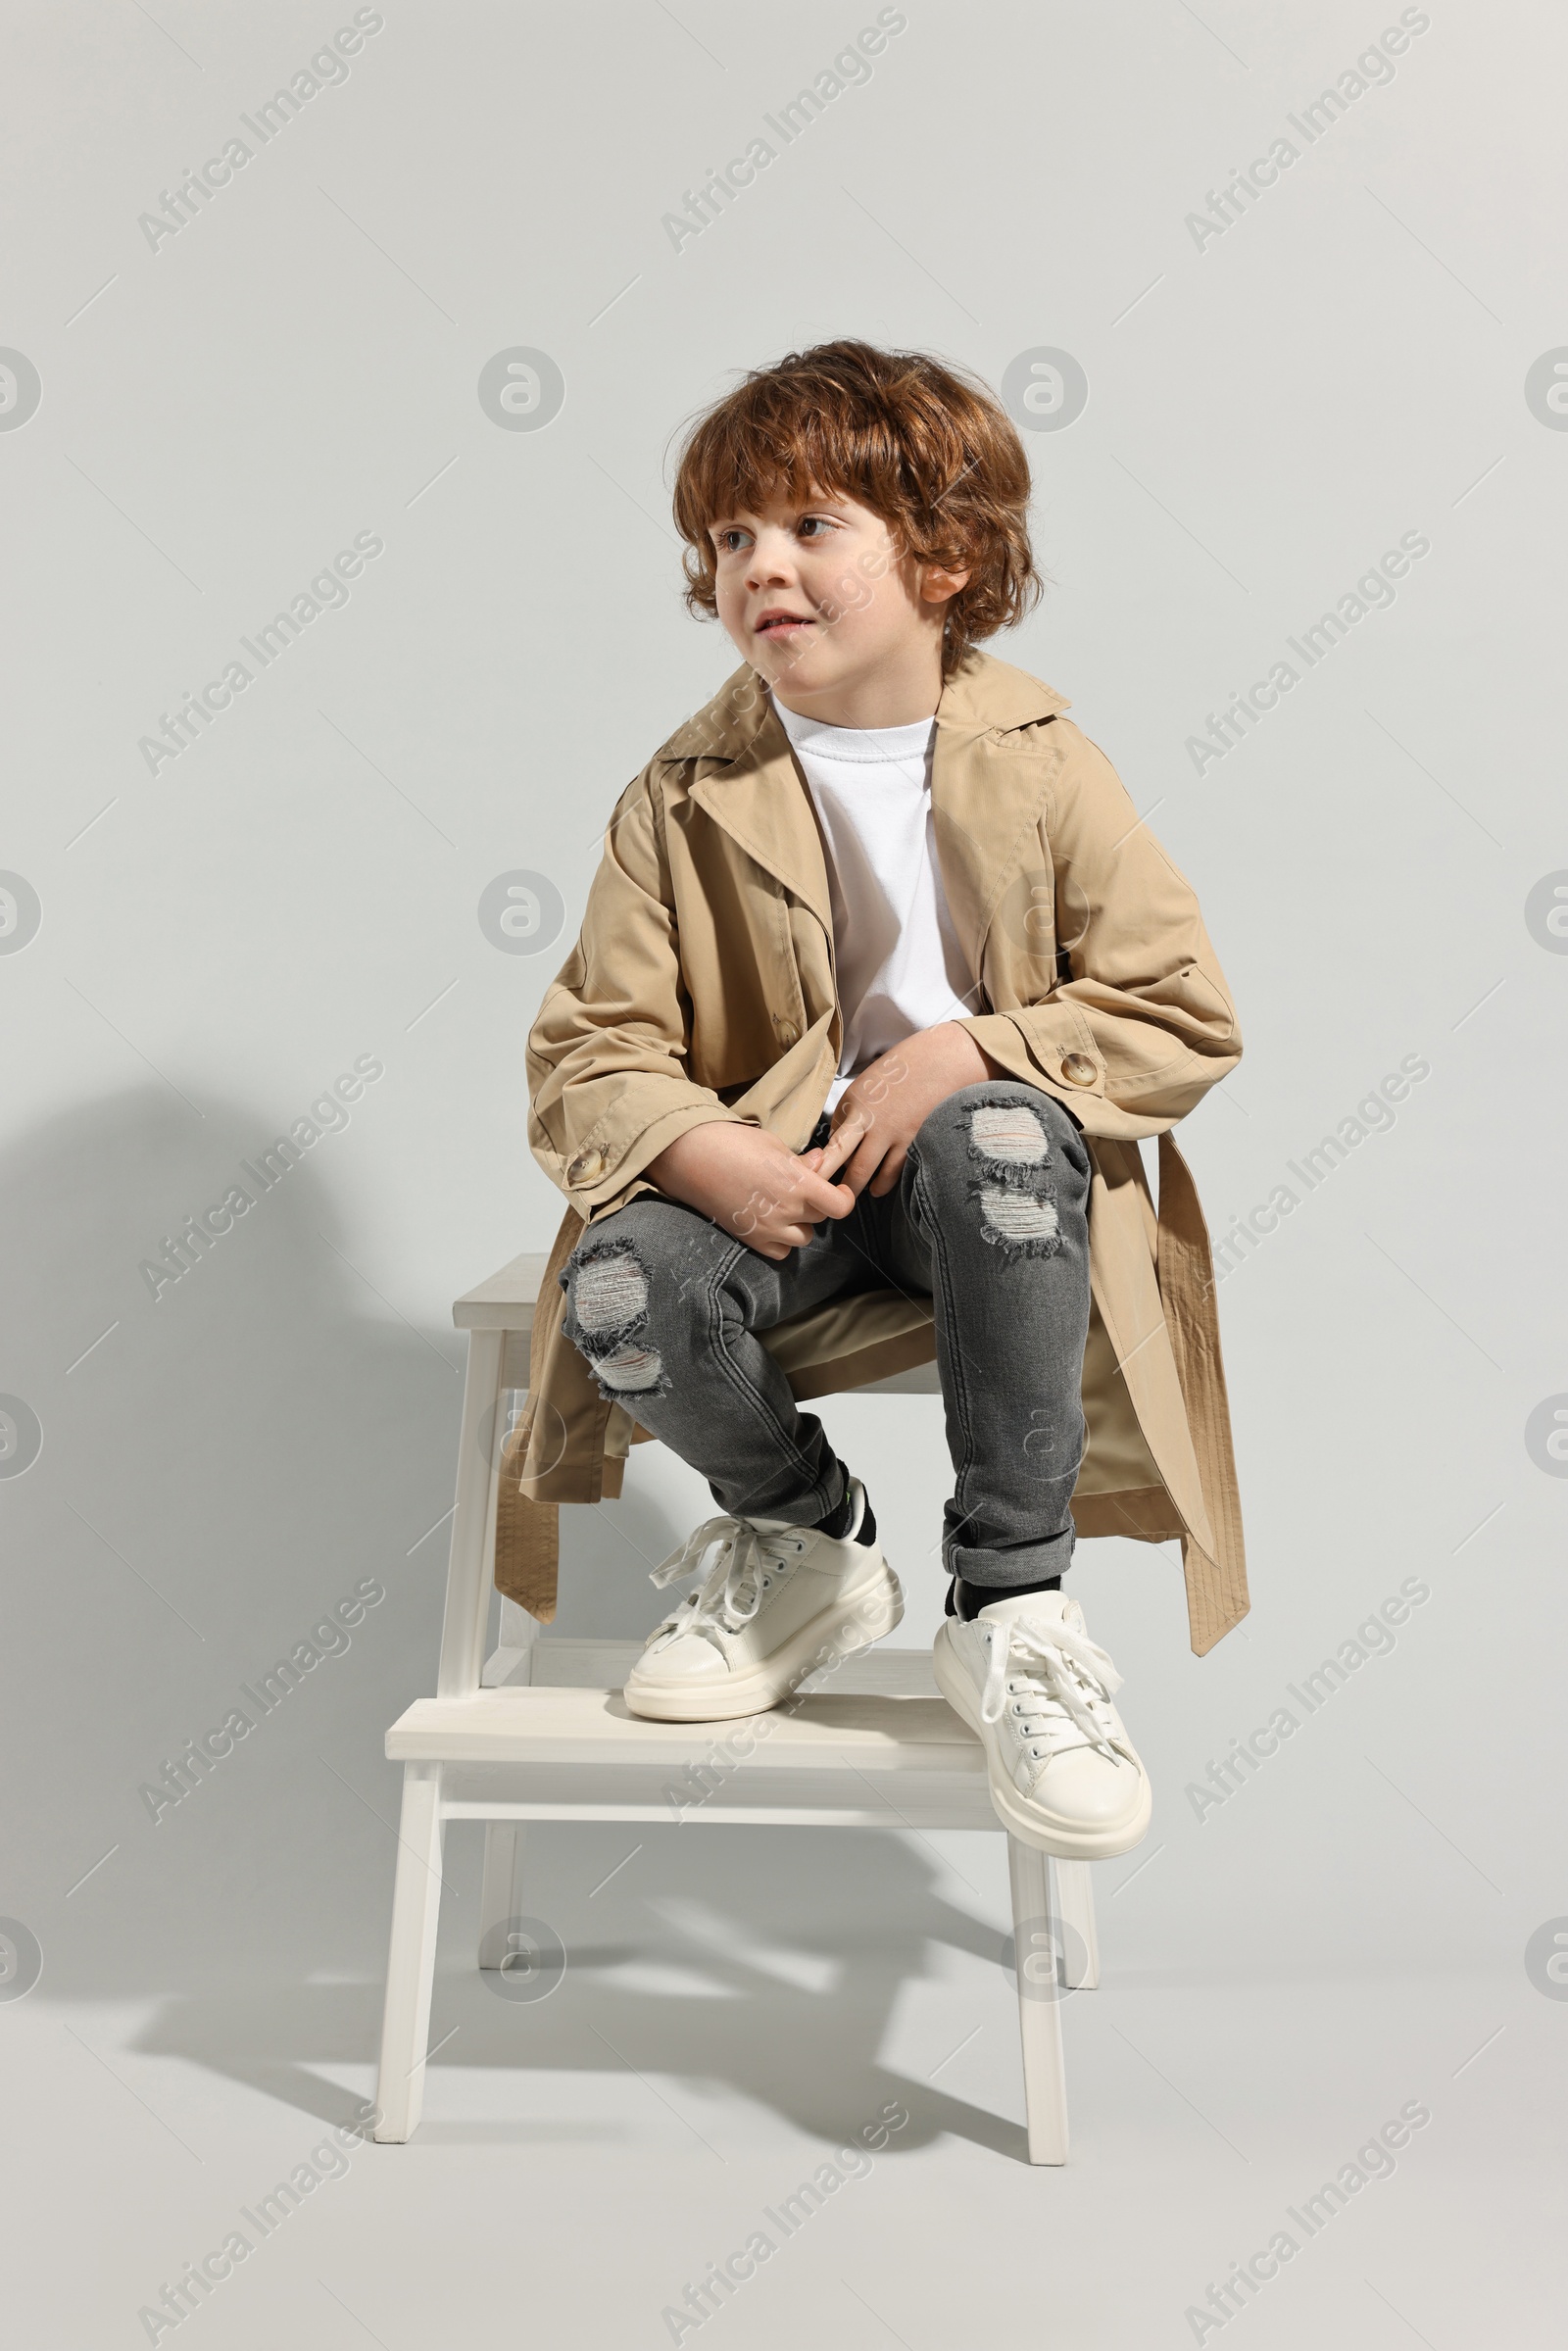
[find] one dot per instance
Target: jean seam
(750, 1396)
(960, 1399)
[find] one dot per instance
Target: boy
(879, 982)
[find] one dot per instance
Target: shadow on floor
(769, 1964)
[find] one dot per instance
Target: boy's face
(817, 598)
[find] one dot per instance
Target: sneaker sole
(871, 1607)
(1015, 1814)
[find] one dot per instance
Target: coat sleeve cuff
(604, 1169)
(1068, 1066)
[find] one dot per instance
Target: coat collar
(747, 780)
(982, 693)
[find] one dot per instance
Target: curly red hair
(926, 446)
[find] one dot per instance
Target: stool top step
(871, 1732)
(506, 1301)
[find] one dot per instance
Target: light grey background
(301, 886)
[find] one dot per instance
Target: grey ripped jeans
(987, 1225)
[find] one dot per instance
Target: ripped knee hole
(1009, 1144)
(610, 1306)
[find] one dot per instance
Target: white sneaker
(779, 1602)
(1028, 1681)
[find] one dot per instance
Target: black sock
(966, 1600)
(837, 1522)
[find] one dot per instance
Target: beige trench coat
(703, 987)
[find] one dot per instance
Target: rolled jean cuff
(1024, 1563)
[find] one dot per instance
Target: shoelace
(732, 1593)
(1058, 1668)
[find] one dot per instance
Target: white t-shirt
(901, 966)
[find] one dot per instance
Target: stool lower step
(541, 1732)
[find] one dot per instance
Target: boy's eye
(724, 539)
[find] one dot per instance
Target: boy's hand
(883, 1107)
(749, 1183)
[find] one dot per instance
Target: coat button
(788, 1031)
(586, 1168)
(1078, 1069)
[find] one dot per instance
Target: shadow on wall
(229, 1476)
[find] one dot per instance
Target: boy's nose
(772, 559)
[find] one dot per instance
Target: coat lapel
(985, 798)
(747, 781)
(760, 800)
(986, 795)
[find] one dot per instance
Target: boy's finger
(818, 1198)
(840, 1143)
(888, 1174)
(863, 1163)
(784, 1238)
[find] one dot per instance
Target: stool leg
(471, 1558)
(1076, 1896)
(1034, 1953)
(498, 1889)
(411, 1963)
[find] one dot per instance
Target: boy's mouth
(779, 623)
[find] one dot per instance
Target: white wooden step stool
(541, 1733)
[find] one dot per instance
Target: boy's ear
(938, 586)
